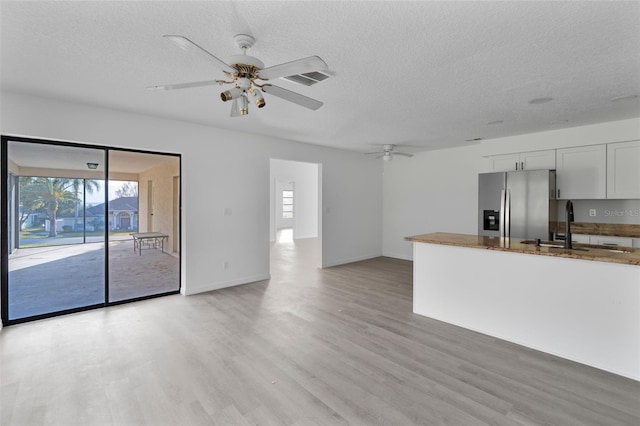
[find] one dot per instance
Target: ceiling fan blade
(404, 154)
(290, 96)
(300, 66)
(377, 152)
(185, 85)
(186, 44)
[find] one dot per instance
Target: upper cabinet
(504, 163)
(538, 160)
(623, 170)
(535, 160)
(581, 172)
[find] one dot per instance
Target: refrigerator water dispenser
(491, 220)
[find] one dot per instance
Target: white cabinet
(581, 172)
(580, 238)
(535, 160)
(623, 170)
(611, 241)
(576, 238)
(504, 163)
(602, 240)
(538, 160)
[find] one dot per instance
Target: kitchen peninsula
(581, 304)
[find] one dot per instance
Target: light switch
(592, 212)
(227, 211)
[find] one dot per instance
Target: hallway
(290, 257)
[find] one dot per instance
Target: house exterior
(122, 215)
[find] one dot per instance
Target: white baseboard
(217, 286)
(304, 237)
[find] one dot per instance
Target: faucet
(568, 219)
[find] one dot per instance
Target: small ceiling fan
(388, 152)
(244, 71)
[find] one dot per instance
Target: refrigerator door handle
(507, 214)
(502, 212)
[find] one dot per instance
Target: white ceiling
(425, 74)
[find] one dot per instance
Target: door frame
(273, 201)
(4, 227)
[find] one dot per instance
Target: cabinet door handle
(522, 165)
(516, 165)
(558, 196)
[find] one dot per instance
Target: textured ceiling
(425, 74)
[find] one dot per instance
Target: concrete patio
(56, 278)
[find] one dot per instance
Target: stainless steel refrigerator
(517, 204)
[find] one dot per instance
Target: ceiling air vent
(308, 79)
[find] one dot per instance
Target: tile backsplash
(606, 211)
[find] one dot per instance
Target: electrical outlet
(592, 212)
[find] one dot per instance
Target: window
(287, 204)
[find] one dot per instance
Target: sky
(98, 196)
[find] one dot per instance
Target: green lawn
(40, 234)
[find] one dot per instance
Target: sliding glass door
(56, 255)
(77, 230)
(143, 260)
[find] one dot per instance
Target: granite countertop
(623, 255)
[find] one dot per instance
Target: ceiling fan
(388, 152)
(244, 71)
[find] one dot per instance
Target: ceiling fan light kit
(244, 70)
(259, 99)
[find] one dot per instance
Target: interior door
(149, 206)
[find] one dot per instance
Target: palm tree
(29, 200)
(40, 193)
(49, 193)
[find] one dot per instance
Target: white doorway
(295, 209)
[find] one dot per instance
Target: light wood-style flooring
(309, 347)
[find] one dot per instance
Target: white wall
(303, 178)
(225, 215)
(437, 190)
